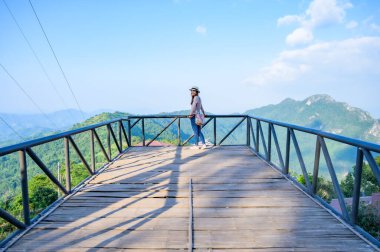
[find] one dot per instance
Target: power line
(56, 58)
(35, 55)
(27, 95)
(10, 126)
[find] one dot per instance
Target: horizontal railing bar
(347, 140)
(47, 139)
(180, 116)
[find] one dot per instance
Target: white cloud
(326, 12)
(319, 13)
(279, 70)
(299, 36)
(354, 58)
(289, 19)
(201, 29)
(352, 25)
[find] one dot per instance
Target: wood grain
(141, 203)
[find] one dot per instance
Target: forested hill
(322, 112)
(31, 126)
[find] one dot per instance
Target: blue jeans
(197, 131)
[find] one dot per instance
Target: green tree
(42, 193)
(325, 188)
(369, 183)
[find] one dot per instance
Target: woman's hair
(192, 98)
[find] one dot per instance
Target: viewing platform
(175, 198)
(143, 202)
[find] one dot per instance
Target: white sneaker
(195, 147)
(204, 147)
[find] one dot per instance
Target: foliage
(325, 188)
(369, 219)
(368, 215)
(369, 183)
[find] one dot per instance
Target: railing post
(143, 131)
(263, 141)
(287, 152)
(92, 150)
(129, 133)
(67, 164)
(179, 131)
(120, 135)
(109, 141)
(215, 131)
(248, 131)
(257, 137)
(277, 146)
(316, 166)
(24, 186)
(269, 142)
(357, 185)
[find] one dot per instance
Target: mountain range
(30, 126)
(324, 113)
(320, 112)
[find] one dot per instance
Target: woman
(196, 107)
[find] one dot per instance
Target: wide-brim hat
(195, 88)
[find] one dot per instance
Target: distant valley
(320, 112)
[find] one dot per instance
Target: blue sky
(142, 56)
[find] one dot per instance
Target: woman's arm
(194, 106)
(203, 111)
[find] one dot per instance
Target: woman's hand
(190, 116)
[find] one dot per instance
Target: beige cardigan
(196, 107)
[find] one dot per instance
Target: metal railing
(252, 131)
(363, 149)
(124, 134)
(25, 149)
(210, 118)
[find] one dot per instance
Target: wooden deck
(141, 203)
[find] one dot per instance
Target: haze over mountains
(324, 113)
(37, 125)
(320, 112)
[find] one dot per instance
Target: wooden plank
(116, 238)
(123, 223)
(141, 203)
(280, 185)
(183, 194)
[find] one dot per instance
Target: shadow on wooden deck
(141, 203)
